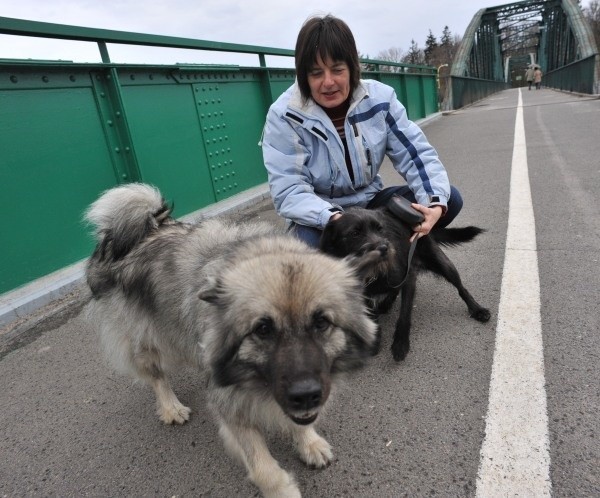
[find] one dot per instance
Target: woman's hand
(432, 215)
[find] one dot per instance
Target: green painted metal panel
(232, 116)
(414, 99)
(69, 131)
(168, 142)
(53, 162)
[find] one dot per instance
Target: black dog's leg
(383, 306)
(401, 344)
(437, 261)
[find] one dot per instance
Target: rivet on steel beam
(72, 77)
(118, 114)
(14, 79)
(132, 77)
(109, 122)
(124, 176)
(45, 79)
(117, 150)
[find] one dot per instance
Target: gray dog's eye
(264, 328)
(321, 323)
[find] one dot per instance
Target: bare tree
(592, 14)
(393, 54)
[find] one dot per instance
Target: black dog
(359, 231)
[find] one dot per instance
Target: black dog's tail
(455, 236)
(124, 216)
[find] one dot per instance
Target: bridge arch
(500, 42)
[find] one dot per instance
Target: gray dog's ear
(210, 288)
(209, 292)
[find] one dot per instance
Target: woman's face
(329, 82)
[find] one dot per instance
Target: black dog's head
(360, 232)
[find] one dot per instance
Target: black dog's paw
(481, 315)
(400, 350)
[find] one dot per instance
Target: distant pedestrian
(529, 76)
(537, 78)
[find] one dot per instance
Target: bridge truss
(500, 42)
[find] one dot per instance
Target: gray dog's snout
(305, 394)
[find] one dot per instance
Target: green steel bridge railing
(71, 130)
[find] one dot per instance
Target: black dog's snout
(305, 394)
(383, 249)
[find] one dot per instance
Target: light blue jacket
(304, 154)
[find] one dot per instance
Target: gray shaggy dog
(271, 321)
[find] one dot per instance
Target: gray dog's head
(285, 320)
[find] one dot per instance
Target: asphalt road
(71, 427)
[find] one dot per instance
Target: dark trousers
(312, 235)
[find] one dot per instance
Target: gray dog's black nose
(383, 249)
(305, 394)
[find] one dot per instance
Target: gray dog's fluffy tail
(124, 216)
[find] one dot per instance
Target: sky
(377, 25)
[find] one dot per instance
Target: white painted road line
(515, 457)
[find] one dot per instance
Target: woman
(326, 137)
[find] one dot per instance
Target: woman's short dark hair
(327, 37)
